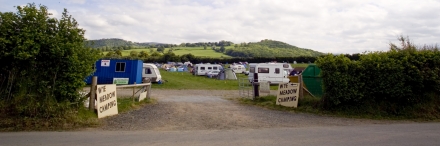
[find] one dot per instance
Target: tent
(227, 74)
(172, 69)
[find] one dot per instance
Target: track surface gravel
(211, 110)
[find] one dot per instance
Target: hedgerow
(402, 81)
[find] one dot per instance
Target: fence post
(148, 90)
(256, 85)
(93, 93)
(301, 86)
(134, 87)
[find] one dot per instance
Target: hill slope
(264, 48)
(115, 42)
(270, 48)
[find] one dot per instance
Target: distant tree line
(207, 44)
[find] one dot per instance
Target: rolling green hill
(270, 48)
(196, 51)
(264, 48)
(115, 43)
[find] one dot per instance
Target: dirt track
(211, 110)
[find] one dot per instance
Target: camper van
(151, 71)
(238, 68)
(202, 69)
(274, 73)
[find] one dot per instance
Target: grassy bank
(196, 51)
(77, 119)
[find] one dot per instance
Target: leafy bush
(44, 62)
(394, 82)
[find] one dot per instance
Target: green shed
(312, 80)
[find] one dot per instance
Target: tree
(222, 49)
(143, 54)
(118, 52)
(160, 49)
(155, 54)
(134, 54)
(44, 61)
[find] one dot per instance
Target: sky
(329, 26)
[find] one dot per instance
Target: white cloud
(343, 26)
(75, 1)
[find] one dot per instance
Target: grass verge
(126, 104)
(309, 104)
(74, 119)
(305, 104)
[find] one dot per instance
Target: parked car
(212, 73)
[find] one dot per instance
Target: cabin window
(277, 70)
(202, 68)
(147, 71)
(263, 70)
(252, 69)
(209, 68)
(215, 68)
(285, 65)
(120, 66)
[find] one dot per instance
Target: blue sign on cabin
(107, 70)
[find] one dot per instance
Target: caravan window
(209, 68)
(147, 71)
(252, 69)
(120, 66)
(215, 68)
(285, 65)
(202, 68)
(263, 70)
(277, 70)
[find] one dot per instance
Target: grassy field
(196, 51)
(185, 80)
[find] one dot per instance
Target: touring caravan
(238, 68)
(151, 71)
(202, 69)
(274, 73)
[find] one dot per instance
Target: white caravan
(151, 71)
(274, 73)
(202, 69)
(238, 68)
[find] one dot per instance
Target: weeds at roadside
(311, 105)
(75, 119)
(126, 104)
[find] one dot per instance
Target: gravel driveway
(211, 110)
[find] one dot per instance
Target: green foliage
(396, 82)
(44, 62)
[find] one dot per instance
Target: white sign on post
(288, 94)
(107, 102)
(142, 96)
(264, 87)
(105, 63)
